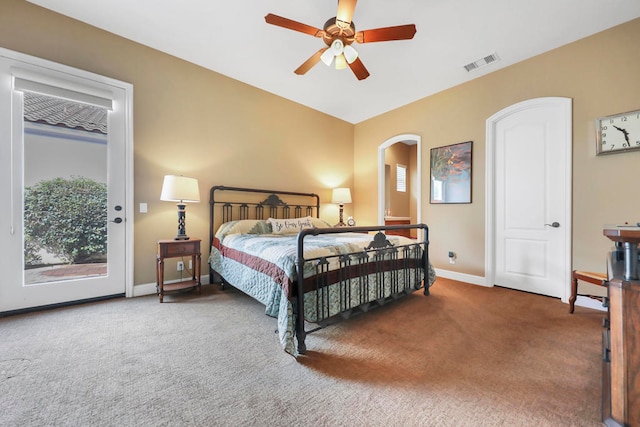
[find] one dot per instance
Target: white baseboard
(150, 288)
(589, 303)
(581, 301)
(461, 277)
(144, 289)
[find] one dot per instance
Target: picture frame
(451, 173)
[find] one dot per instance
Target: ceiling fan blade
(345, 10)
(293, 25)
(309, 63)
(401, 32)
(358, 69)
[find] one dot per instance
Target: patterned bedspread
(264, 267)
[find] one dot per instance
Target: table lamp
(180, 189)
(341, 196)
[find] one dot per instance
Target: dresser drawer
(404, 232)
(178, 248)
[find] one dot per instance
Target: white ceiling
(232, 38)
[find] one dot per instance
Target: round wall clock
(618, 133)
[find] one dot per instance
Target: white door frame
(127, 105)
(381, 178)
(567, 225)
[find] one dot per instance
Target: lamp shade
(178, 188)
(350, 54)
(341, 196)
(327, 57)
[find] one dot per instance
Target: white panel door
(531, 157)
(60, 130)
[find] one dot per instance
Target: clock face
(351, 222)
(618, 133)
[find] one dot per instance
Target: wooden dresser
(398, 220)
(621, 339)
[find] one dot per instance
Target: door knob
(117, 220)
(554, 224)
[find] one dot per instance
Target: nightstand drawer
(178, 248)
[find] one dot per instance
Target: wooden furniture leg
(586, 276)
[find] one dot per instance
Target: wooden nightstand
(177, 249)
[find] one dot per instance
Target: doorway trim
(127, 105)
(490, 226)
(404, 138)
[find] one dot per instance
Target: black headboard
(234, 203)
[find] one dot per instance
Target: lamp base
(340, 221)
(182, 235)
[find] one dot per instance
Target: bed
(263, 241)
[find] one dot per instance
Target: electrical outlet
(452, 257)
(180, 265)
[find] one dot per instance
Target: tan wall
(600, 74)
(191, 121)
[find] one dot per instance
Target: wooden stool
(586, 276)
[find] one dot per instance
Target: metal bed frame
(380, 260)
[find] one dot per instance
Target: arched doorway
(416, 181)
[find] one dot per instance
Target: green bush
(67, 218)
(31, 256)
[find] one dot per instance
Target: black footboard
(340, 284)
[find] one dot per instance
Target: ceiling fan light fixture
(337, 47)
(341, 62)
(350, 53)
(327, 57)
(338, 33)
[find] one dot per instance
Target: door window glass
(65, 189)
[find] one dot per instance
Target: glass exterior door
(63, 165)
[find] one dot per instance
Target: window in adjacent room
(401, 178)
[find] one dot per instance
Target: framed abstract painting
(451, 173)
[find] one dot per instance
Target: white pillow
(290, 226)
(245, 226)
(319, 223)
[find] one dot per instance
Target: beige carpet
(464, 356)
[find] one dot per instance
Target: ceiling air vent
(482, 62)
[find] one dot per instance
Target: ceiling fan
(338, 34)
